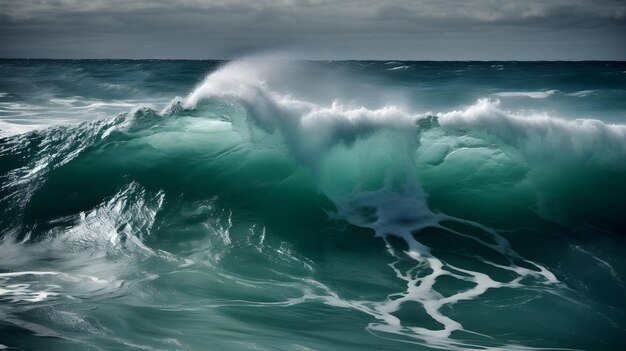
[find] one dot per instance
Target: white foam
(540, 139)
(399, 68)
(85, 255)
(19, 274)
(21, 117)
(9, 129)
(582, 93)
(23, 293)
(529, 94)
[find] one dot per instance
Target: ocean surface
(269, 204)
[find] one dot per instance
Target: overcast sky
(316, 29)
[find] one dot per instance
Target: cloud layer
(366, 29)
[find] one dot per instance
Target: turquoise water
(265, 204)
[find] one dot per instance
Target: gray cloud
(428, 29)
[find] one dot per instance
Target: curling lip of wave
(315, 127)
(535, 136)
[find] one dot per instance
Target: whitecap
(399, 68)
(528, 94)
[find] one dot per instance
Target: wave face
(312, 205)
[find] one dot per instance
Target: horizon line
(311, 60)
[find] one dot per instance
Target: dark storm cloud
(450, 29)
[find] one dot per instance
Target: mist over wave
(312, 205)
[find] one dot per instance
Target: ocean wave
(200, 187)
(537, 136)
(395, 205)
(541, 139)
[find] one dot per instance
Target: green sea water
(268, 204)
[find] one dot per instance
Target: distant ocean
(266, 204)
